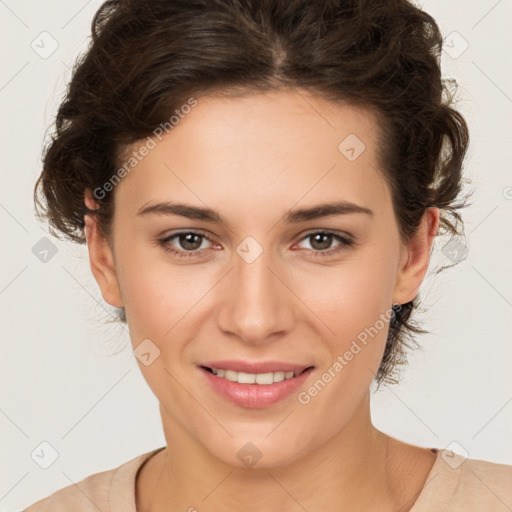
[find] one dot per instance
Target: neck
(358, 469)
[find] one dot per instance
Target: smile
(255, 390)
(253, 378)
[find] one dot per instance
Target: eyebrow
(292, 217)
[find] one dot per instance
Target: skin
(252, 159)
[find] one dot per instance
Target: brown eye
(187, 245)
(321, 242)
(189, 241)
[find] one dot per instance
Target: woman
(259, 184)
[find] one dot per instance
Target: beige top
(454, 484)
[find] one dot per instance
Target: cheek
(152, 294)
(353, 295)
(161, 298)
(358, 310)
(348, 297)
(354, 302)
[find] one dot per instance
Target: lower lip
(255, 396)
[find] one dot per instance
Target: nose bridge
(258, 303)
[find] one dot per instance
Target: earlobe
(416, 258)
(101, 258)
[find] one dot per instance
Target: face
(259, 284)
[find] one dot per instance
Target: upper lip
(257, 367)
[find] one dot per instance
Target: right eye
(188, 240)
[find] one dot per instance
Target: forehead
(266, 148)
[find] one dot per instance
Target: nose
(257, 303)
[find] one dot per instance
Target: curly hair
(147, 57)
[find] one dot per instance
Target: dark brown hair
(147, 58)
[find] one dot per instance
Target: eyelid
(326, 231)
(196, 231)
(300, 237)
(346, 241)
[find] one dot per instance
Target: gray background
(71, 381)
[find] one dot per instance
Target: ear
(416, 258)
(100, 256)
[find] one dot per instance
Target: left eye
(191, 243)
(324, 240)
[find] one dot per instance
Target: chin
(253, 452)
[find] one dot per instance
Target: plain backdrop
(70, 380)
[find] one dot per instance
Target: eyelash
(344, 241)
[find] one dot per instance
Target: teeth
(253, 378)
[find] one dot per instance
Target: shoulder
(91, 493)
(457, 483)
(95, 492)
(488, 483)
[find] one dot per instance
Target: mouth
(264, 379)
(254, 385)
